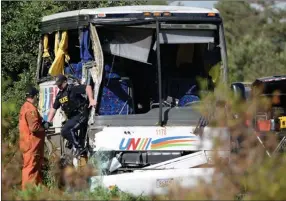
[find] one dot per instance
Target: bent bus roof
(129, 9)
(81, 18)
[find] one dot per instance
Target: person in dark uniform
(75, 106)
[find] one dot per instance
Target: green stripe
(172, 145)
(141, 143)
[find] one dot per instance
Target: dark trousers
(71, 127)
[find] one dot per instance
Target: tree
(255, 39)
(20, 37)
(239, 18)
(256, 57)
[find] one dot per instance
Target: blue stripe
(45, 103)
(148, 143)
(171, 138)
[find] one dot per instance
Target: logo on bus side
(135, 143)
(160, 143)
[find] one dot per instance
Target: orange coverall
(32, 139)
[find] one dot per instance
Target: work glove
(46, 125)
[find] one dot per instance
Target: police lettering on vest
(71, 100)
(63, 100)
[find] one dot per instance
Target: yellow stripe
(141, 143)
(40, 102)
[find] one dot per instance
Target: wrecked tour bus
(145, 62)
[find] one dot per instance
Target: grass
(43, 193)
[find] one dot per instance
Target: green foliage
(255, 57)
(71, 5)
(21, 31)
(9, 119)
(49, 168)
(237, 16)
(12, 99)
(156, 2)
(43, 193)
(267, 182)
(255, 39)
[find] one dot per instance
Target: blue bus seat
(183, 90)
(117, 94)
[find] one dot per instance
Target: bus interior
(130, 76)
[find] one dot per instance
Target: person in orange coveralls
(32, 138)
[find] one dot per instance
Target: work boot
(69, 145)
(79, 151)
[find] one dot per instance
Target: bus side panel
(47, 95)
